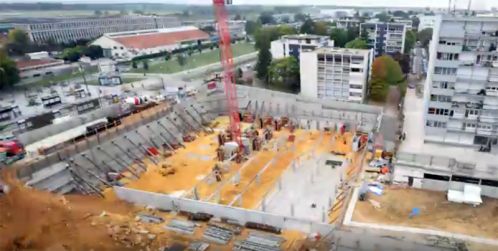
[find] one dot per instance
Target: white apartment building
(347, 23)
(127, 45)
(426, 22)
(461, 91)
(293, 45)
(336, 73)
(237, 28)
(385, 38)
(407, 22)
(72, 30)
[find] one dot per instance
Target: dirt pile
(35, 220)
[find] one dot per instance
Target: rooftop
(303, 36)
(330, 50)
(157, 37)
(31, 63)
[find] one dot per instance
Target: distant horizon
(476, 4)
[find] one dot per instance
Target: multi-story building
(336, 73)
(293, 45)
(237, 27)
(461, 92)
(426, 22)
(72, 30)
(385, 38)
(347, 23)
(407, 22)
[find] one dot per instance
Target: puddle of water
(205, 158)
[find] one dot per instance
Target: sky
(477, 4)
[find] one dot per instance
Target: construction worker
(217, 173)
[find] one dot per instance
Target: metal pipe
(171, 134)
(86, 182)
(200, 115)
(93, 163)
(163, 139)
(177, 127)
(122, 150)
(108, 155)
(142, 146)
(199, 124)
(91, 173)
(127, 169)
(188, 124)
(145, 140)
(79, 187)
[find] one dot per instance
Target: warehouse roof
(157, 37)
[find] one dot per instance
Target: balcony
(449, 48)
(461, 129)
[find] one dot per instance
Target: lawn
(196, 60)
(60, 78)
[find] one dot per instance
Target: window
(445, 71)
(447, 56)
(121, 47)
(439, 111)
(471, 125)
(115, 47)
(356, 70)
(473, 112)
(440, 98)
(441, 85)
(437, 124)
(436, 177)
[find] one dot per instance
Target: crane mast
(226, 55)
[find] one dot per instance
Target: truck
(11, 151)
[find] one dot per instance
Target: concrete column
(324, 215)
(263, 206)
(293, 166)
(292, 209)
(279, 182)
(240, 200)
(196, 194)
(217, 196)
(258, 178)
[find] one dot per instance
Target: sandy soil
(35, 220)
(435, 212)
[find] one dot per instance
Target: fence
(242, 216)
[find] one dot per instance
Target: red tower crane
(226, 55)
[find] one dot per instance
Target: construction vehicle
(11, 151)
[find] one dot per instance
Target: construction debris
(256, 241)
(147, 218)
(199, 246)
(374, 203)
(181, 226)
(263, 227)
(218, 235)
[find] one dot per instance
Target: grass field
(65, 77)
(196, 60)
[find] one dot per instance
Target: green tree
(285, 20)
(93, 51)
(264, 60)
(364, 35)
(9, 74)
(339, 36)
(266, 35)
(237, 17)
(308, 27)
(300, 17)
(72, 54)
(134, 64)
(252, 26)
(400, 13)
(286, 30)
(357, 44)
(378, 86)
(167, 56)
(18, 36)
(284, 72)
(320, 28)
(145, 65)
(97, 13)
(267, 18)
(394, 75)
(415, 22)
(353, 33)
(425, 36)
(383, 17)
(410, 40)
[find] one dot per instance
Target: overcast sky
(477, 4)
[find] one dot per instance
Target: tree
(237, 17)
(134, 64)
(415, 22)
(167, 56)
(145, 65)
(284, 71)
(9, 74)
(364, 35)
(400, 13)
(300, 17)
(123, 12)
(320, 28)
(286, 30)
(285, 19)
(72, 54)
(403, 61)
(339, 36)
(186, 13)
(394, 75)
(410, 40)
(18, 36)
(378, 86)
(425, 36)
(267, 18)
(357, 44)
(181, 59)
(383, 17)
(308, 27)
(93, 52)
(353, 33)
(252, 26)
(264, 60)
(208, 29)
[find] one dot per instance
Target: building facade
(347, 23)
(72, 30)
(237, 28)
(385, 38)
(461, 92)
(127, 45)
(293, 45)
(407, 22)
(426, 22)
(336, 73)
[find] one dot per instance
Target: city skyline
(476, 4)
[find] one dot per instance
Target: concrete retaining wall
(166, 202)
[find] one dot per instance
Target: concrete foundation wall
(166, 202)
